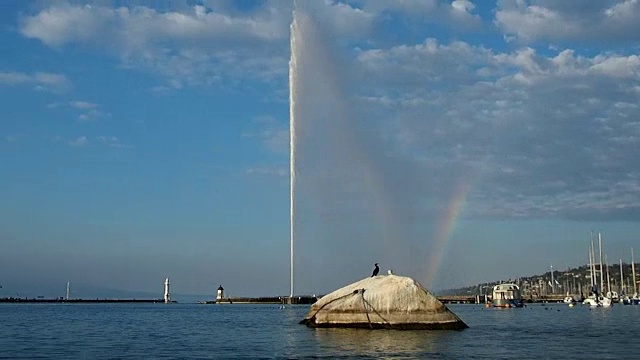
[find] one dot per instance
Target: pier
(285, 300)
(265, 300)
(78, 301)
(465, 299)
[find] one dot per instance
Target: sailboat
(634, 300)
(611, 294)
(595, 298)
(592, 299)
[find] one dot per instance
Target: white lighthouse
(167, 296)
(220, 294)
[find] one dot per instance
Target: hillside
(572, 281)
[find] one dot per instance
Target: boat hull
(507, 303)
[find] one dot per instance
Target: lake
(239, 331)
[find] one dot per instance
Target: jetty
(78, 301)
(306, 299)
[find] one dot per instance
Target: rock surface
(383, 302)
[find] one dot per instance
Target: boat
(507, 296)
(591, 301)
(633, 299)
(595, 298)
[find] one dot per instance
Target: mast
(67, 296)
(633, 272)
(592, 261)
(600, 260)
(606, 264)
(552, 281)
(621, 280)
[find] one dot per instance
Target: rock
(383, 302)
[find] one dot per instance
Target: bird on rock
(376, 270)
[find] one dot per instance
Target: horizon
(449, 141)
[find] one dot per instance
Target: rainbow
(445, 228)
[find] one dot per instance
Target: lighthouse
(167, 296)
(220, 293)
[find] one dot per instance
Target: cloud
(459, 12)
(536, 135)
(463, 6)
(80, 141)
(89, 110)
(611, 21)
(83, 105)
(112, 141)
(195, 45)
(41, 81)
(189, 46)
(271, 134)
(92, 114)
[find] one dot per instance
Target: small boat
(604, 301)
(591, 301)
(506, 295)
(569, 299)
(631, 300)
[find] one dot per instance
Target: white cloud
(191, 46)
(83, 105)
(597, 20)
(92, 114)
(14, 78)
(340, 19)
(464, 6)
(112, 141)
(418, 7)
(272, 134)
(80, 141)
(137, 27)
(456, 12)
(623, 9)
(88, 110)
(562, 126)
(537, 134)
(40, 80)
(215, 45)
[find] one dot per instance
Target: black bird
(376, 270)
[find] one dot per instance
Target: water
(192, 331)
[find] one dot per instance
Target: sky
(455, 142)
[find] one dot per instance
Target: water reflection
(382, 342)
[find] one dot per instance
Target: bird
(376, 270)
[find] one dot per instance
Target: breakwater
(465, 299)
(450, 299)
(93, 301)
(265, 300)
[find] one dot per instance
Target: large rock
(383, 302)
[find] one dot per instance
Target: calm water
(108, 331)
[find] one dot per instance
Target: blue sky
(138, 143)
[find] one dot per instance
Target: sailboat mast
(600, 261)
(621, 279)
(606, 264)
(633, 272)
(553, 288)
(592, 260)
